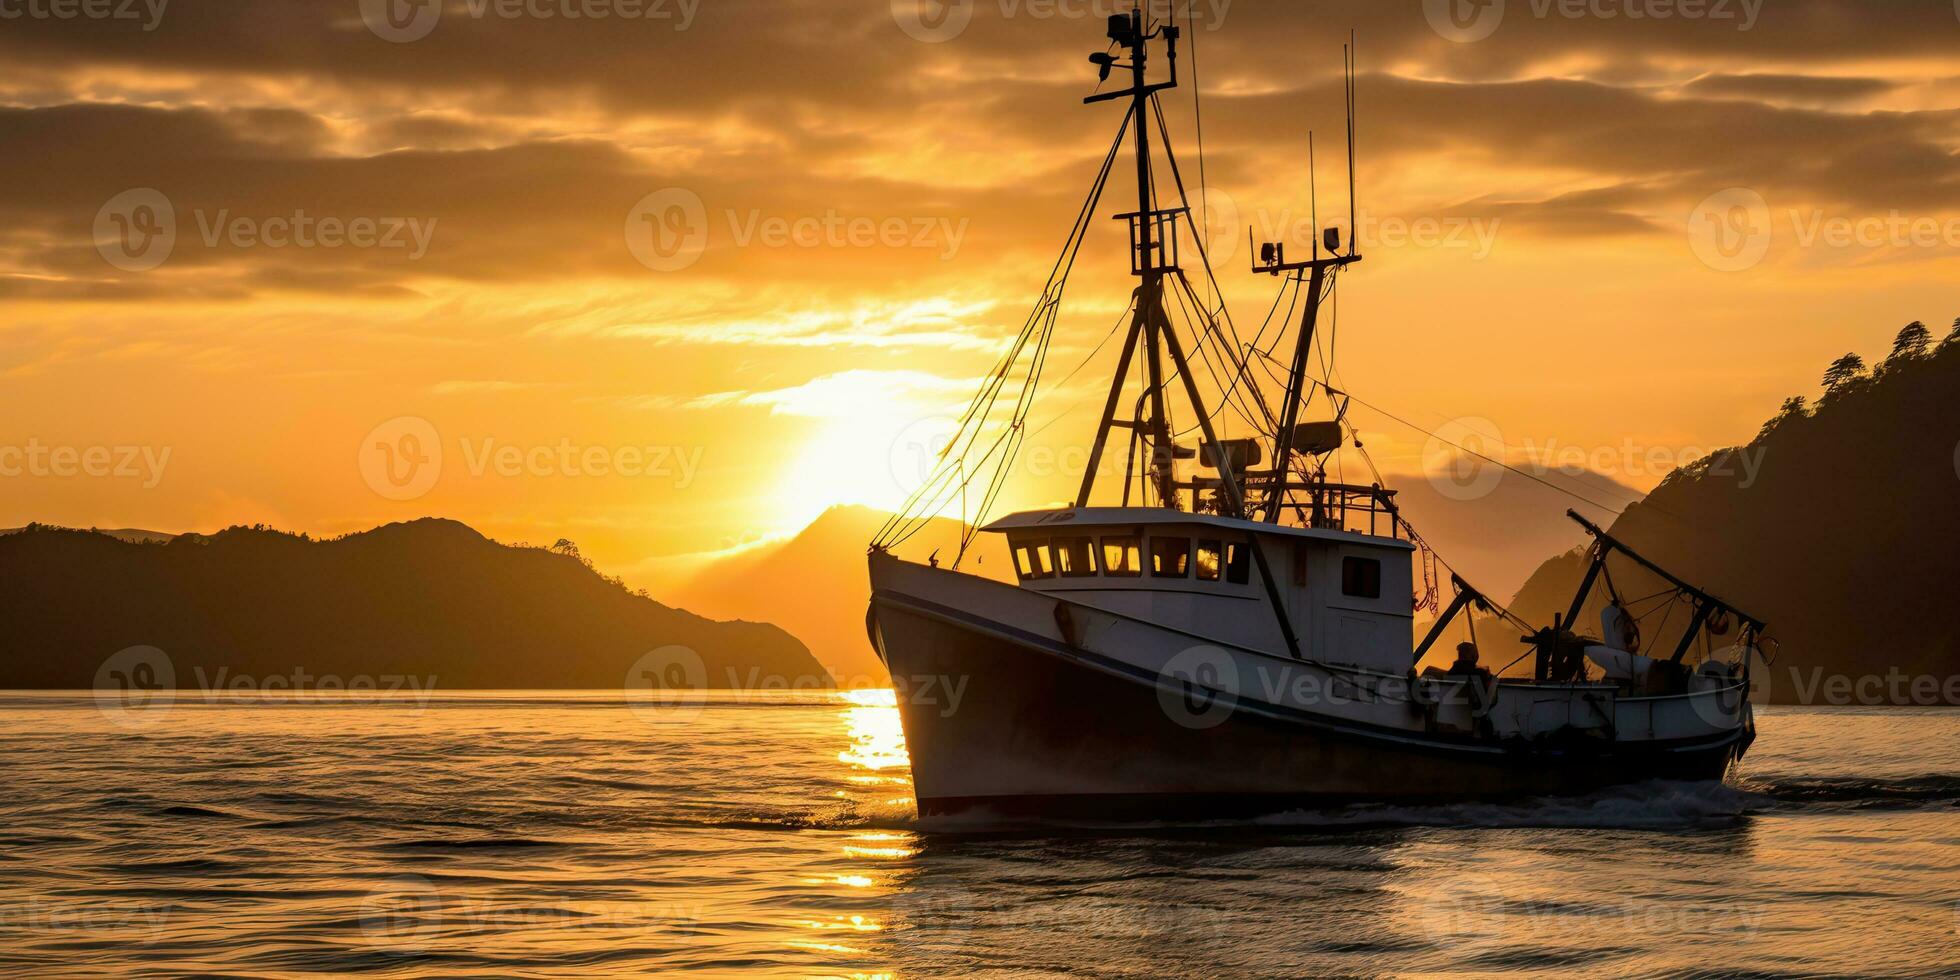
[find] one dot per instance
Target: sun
(874, 459)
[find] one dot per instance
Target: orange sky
(668, 283)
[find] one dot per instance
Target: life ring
(1718, 623)
(1729, 698)
(1630, 627)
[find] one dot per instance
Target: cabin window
(1031, 560)
(1238, 555)
(1361, 577)
(1170, 557)
(1120, 556)
(1300, 564)
(1210, 554)
(1075, 557)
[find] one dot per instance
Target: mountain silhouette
(817, 583)
(426, 599)
(1844, 540)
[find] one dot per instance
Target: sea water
(537, 834)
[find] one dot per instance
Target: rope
(952, 474)
(1496, 462)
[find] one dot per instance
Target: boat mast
(1153, 254)
(1272, 260)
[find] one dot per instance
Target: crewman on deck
(1466, 660)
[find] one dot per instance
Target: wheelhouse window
(1120, 555)
(1031, 560)
(1075, 557)
(1361, 577)
(1238, 556)
(1170, 557)
(1210, 558)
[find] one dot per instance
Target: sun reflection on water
(879, 775)
(877, 738)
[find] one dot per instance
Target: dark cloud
(790, 111)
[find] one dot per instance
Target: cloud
(1768, 87)
(853, 394)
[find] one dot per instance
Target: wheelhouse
(1345, 592)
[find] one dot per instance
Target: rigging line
(1209, 367)
(1184, 196)
(1241, 366)
(1291, 286)
(1064, 413)
(1005, 443)
(1198, 114)
(1198, 346)
(1072, 244)
(1286, 287)
(1043, 316)
(1227, 398)
(1496, 462)
(1503, 611)
(1118, 325)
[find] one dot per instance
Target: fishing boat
(1235, 633)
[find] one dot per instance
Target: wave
(1862, 792)
(471, 844)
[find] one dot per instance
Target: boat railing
(1327, 506)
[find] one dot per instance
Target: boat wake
(1653, 805)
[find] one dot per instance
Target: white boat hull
(1090, 713)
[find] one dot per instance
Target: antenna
(1270, 258)
(1350, 55)
(1313, 196)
